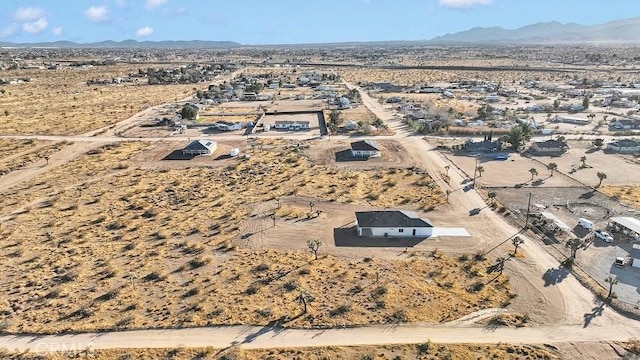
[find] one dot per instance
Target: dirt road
(266, 337)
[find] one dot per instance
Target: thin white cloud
(464, 4)
(152, 4)
(57, 31)
(9, 30)
(35, 27)
(144, 32)
(28, 14)
(97, 13)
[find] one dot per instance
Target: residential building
(625, 146)
(365, 148)
(200, 147)
(392, 223)
(549, 147)
(291, 125)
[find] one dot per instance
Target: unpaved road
(265, 337)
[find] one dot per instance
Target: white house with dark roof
(227, 126)
(392, 223)
(200, 147)
(365, 148)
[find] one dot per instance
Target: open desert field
(424, 351)
(162, 253)
(59, 102)
(629, 195)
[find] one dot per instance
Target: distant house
(291, 125)
(392, 223)
(571, 120)
(482, 146)
(365, 148)
(625, 146)
(227, 126)
(200, 147)
(625, 124)
(250, 96)
(549, 147)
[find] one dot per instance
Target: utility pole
(475, 170)
(526, 222)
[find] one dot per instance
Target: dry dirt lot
(627, 194)
(159, 156)
(59, 102)
(424, 351)
(161, 248)
(335, 152)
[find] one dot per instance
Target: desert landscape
(361, 202)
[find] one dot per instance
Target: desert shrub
(290, 286)
(262, 267)
(251, 290)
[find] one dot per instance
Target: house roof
(391, 219)
(626, 143)
(365, 145)
(201, 145)
(287, 122)
(630, 223)
(551, 144)
(225, 123)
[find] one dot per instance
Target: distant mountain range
(618, 31)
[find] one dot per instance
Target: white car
(603, 235)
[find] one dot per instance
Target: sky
(259, 22)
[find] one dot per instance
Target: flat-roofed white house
(200, 147)
(365, 148)
(392, 223)
(291, 125)
(227, 126)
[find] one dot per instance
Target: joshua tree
(448, 192)
(517, 241)
(533, 172)
(132, 279)
(446, 169)
(601, 177)
(552, 167)
(575, 244)
(278, 200)
(304, 298)
(612, 281)
(598, 142)
(273, 217)
(492, 195)
(311, 205)
(500, 262)
(46, 158)
(480, 170)
(583, 159)
(313, 246)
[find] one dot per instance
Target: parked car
(585, 224)
(603, 235)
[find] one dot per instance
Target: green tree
(583, 160)
(304, 298)
(189, 112)
(612, 281)
(492, 196)
(314, 246)
(500, 263)
(518, 135)
(517, 241)
(480, 170)
(378, 123)
(533, 172)
(556, 104)
(598, 142)
(335, 117)
(601, 177)
(552, 167)
(575, 244)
